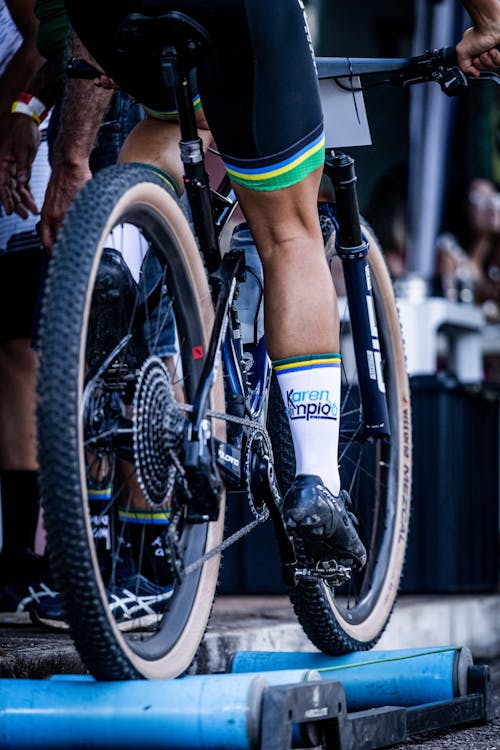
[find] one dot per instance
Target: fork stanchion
(376, 678)
(206, 711)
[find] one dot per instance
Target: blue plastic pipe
(206, 712)
(372, 679)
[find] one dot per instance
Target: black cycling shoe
(320, 519)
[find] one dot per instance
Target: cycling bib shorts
(257, 80)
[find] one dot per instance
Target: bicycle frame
(227, 272)
(212, 209)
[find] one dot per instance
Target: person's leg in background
(24, 576)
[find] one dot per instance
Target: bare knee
(284, 222)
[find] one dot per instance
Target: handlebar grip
(77, 68)
(449, 56)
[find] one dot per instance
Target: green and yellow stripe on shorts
(281, 170)
(170, 114)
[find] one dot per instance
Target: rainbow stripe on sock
(170, 114)
(306, 362)
(160, 517)
(103, 494)
(159, 173)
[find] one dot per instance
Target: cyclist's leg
(300, 309)
(274, 154)
(301, 316)
(155, 141)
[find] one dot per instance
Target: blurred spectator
(23, 576)
(472, 274)
(454, 270)
(387, 215)
(484, 250)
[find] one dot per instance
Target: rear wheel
(375, 472)
(126, 323)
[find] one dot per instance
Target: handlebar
(434, 65)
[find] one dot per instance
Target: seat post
(175, 76)
(196, 181)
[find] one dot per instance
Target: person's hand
(477, 50)
(65, 182)
(17, 154)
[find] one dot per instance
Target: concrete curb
(269, 624)
(466, 620)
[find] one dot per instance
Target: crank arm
(274, 505)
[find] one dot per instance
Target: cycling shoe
(320, 519)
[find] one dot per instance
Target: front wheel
(375, 472)
(126, 322)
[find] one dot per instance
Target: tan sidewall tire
(178, 659)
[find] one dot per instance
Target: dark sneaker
(25, 581)
(18, 599)
(320, 519)
(135, 603)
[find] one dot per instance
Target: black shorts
(257, 82)
(21, 279)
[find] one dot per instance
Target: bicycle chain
(332, 573)
(223, 545)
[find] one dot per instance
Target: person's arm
(21, 146)
(84, 106)
(25, 64)
(26, 60)
(477, 50)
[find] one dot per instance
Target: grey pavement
(484, 737)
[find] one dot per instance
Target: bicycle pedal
(330, 571)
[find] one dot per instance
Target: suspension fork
(352, 249)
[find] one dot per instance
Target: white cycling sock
(310, 386)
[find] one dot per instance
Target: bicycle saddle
(143, 34)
